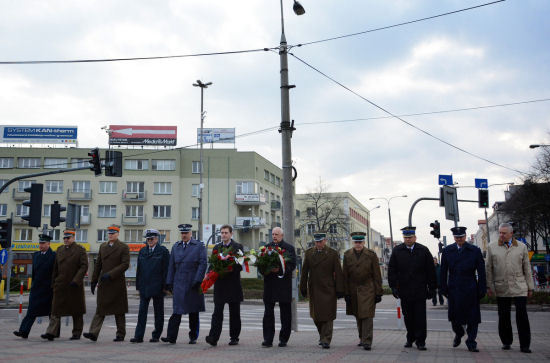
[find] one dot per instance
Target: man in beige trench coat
(363, 283)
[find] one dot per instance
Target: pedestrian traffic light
(95, 162)
(113, 163)
(436, 232)
(5, 233)
(34, 204)
(483, 198)
(55, 214)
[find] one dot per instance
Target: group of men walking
(58, 286)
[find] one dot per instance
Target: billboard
(142, 135)
(39, 134)
(225, 136)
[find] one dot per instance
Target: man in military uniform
(363, 283)
(411, 276)
(40, 299)
(227, 290)
(152, 266)
(463, 283)
(322, 280)
(71, 264)
(186, 268)
(278, 288)
(112, 262)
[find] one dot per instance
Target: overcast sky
(492, 55)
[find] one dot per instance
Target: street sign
(226, 135)
(522, 240)
(445, 179)
(451, 203)
(481, 183)
(3, 257)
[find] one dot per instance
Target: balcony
(249, 199)
(275, 205)
(133, 220)
(85, 220)
(20, 195)
(249, 222)
(134, 196)
(84, 195)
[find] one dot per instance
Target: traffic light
(55, 214)
(441, 197)
(483, 198)
(113, 163)
(436, 232)
(95, 162)
(34, 204)
(5, 233)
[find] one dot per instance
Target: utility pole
(202, 86)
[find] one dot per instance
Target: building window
(79, 162)
(81, 186)
(23, 234)
(266, 175)
(195, 191)
(54, 186)
(297, 232)
(6, 163)
(22, 184)
(164, 235)
(133, 235)
(47, 210)
(246, 187)
(3, 210)
(28, 163)
(2, 182)
(310, 229)
(102, 235)
(81, 235)
(106, 211)
(310, 211)
(136, 164)
(163, 187)
(163, 164)
(55, 163)
(107, 187)
(277, 181)
(134, 211)
(162, 211)
(135, 187)
(194, 212)
(55, 234)
(195, 167)
(194, 235)
(297, 213)
(272, 178)
(21, 210)
(333, 228)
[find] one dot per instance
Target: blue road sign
(547, 258)
(481, 183)
(521, 239)
(3, 256)
(445, 179)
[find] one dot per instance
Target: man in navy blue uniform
(278, 288)
(152, 267)
(185, 273)
(40, 300)
(463, 283)
(227, 290)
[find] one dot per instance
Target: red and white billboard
(143, 135)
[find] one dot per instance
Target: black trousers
(158, 306)
(440, 295)
(471, 330)
(269, 321)
(522, 320)
(174, 326)
(414, 314)
(234, 321)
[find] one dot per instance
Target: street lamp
(368, 226)
(286, 130)
(389, 212)
(202, 86)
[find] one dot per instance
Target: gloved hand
(105, 277)
(73, 284)
(377, 299)
(348, 299)
(431, 294)
(339, 295)
(196, 286)
(395, 293)
(92, 287)
(168, 287)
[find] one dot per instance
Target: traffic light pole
(421, 199)
(8, 276)
(26, 176)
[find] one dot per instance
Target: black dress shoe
(267, 344)
(506, 347)
(168, 340)
(47, 336)
(282, 344)
(136, 340)
(325, 345)
(192, 341)
(118, 339)
(456, 341)
(90, 336)
(21, 334)
(473, 349)
(408, 345)
(525, 350)
(75, 337)
(154, 340)
(420, 347)
(211, 341)
(366, 346)
(233, 342)
(359, 344)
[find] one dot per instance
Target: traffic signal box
(55, 214)
(95, 162)
(483, 198)
(436, 231)
(5, 233)
(34, 204)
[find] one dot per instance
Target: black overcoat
(228, 289)
(40, 299)
(412, 273)
(151, 271)
(278, 288)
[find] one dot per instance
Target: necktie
(410, 250)
(184, 245)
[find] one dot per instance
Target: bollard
(29, 282)
(399, 320)
(2, 290)
(20, 302)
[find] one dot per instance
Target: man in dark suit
(40, 300)
(411, 276)
(278, 288)
(227, 290)
(463, 283)
(186, 269)
(152, 266)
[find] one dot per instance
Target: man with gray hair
(509, 279)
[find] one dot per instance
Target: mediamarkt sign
(142, 135)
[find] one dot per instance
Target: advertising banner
(143, 135)
(224, 136)
(39, 134)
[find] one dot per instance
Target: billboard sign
(39, 134)
(224, 136)
(143, 135)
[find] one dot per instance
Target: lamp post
(286, 130)
(388, 200)
(368, 226)
(202, 86)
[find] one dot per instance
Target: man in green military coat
(363, 283)
(70, 266)
(323, 282)
(112, 261)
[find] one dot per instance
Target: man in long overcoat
(186, 268)
(71, 264)
(411, 276)
(152, 267)
(363, 284)
(278, 288)
(227, 290)
(40, 299)
(322, 280)
(463, 283)
(112, 262)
